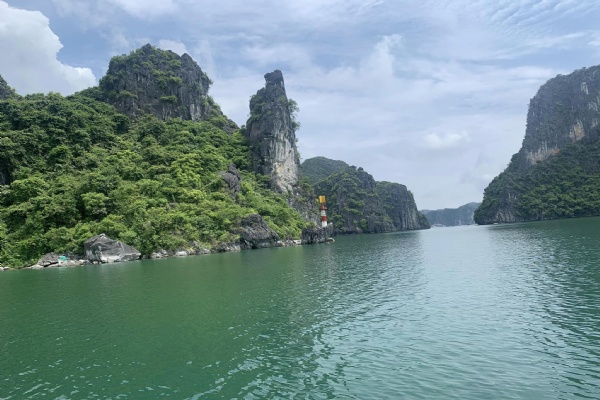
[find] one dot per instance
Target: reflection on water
(506, 312)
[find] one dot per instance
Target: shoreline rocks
(256, 234)
(316, 235)
(53, 260)
(103, 249)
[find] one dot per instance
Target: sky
(432, 94)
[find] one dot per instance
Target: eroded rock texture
(271, 134)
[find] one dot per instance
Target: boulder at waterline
(103, 249)
(256, 234)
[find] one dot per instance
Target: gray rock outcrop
(232, 179)
(103, 249)
(399, 204)
(271, 134)
(563, 116)
(52, 259)
(48, 260)
(565, 110)
(315, 235)
(256, 234)
(161, 83)
(224, 247)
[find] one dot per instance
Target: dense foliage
(563, 186)
(318, 168)
(353, 205)
(75, 168)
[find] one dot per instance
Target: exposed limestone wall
(565, 110)
(271, 134)
(161, 83)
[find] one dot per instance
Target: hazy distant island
(556, 173)
(462, 215)
(148, 160)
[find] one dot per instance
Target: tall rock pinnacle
(271, 134)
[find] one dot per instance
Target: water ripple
(501, 312)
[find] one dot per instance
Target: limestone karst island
(147, 165)
(148, 161)
(556, 173)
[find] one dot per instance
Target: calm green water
(500, 312)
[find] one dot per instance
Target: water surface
(496, 312)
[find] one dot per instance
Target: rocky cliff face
(462, 215)
(562, 122)
(103, 249)
(358, 204)
(256, 234)
(161, 83)
(400, 206)
(6, 92)
(565, 110)
(316, 235)
(271, 134)
(318, 168)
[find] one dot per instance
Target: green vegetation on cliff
(161, 83)
(555, 174)
(318, 168)
(353, 205)
(74, 167)
(358, 204)
(563, 186)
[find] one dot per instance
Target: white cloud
(282, 54)
(173, 45)
(406, 119)
(29, 51)
(99, 13)
(202, 54)
(436, 141)
(147, 9)
(73, 7)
